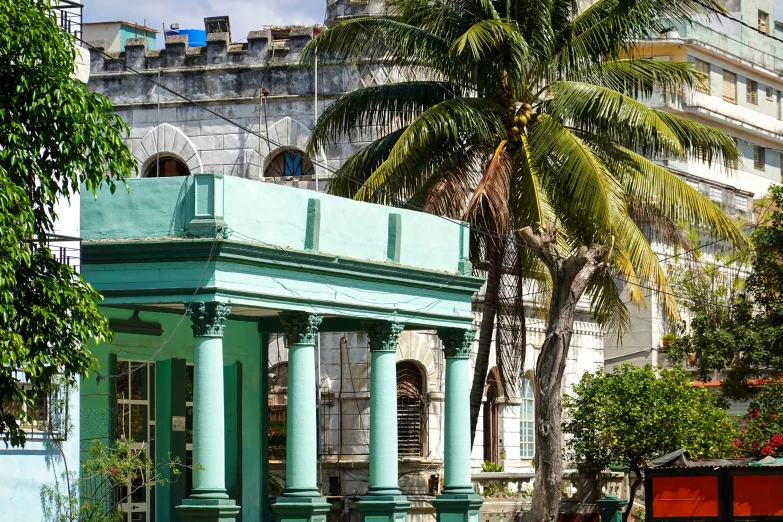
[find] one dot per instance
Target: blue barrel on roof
(196, 37)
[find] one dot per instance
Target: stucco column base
(208, 510)
(383, 508)
(458, 507)
(301, 509)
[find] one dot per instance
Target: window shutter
(751, 91)
(758, 157)
(411, 414)
(770, 94)
(729, 86)
(763, 21)
(704, 68)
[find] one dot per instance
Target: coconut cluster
(520, 114)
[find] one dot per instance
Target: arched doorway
(491, 420)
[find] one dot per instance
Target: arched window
(287, 163)
(170, 166)
(411, 416)
(527, 433)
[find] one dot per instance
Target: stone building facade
(259, 86)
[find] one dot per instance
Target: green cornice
(181, 250)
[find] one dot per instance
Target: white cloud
(245, 15)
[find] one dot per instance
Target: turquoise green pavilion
(198, 271)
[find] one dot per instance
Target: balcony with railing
(68, 16)
(728, 37)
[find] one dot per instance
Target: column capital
(301, 327)
(208, 318)
(383, 335)
(457, 342)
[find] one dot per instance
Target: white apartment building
(742, 98)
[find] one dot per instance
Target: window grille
(763, 21)
(411, 415)
(716, 194)
(704, 68)
(289, 163)
(751, 91)
(527, 438)
(729, 86)
(741, 202)
(759, 160)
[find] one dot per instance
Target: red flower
(766, 451)
(754, 445)
(776, 440)
(754, 413)
(736, 443)
(743, 428)
(773, 416)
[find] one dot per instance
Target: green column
(458, 502)
(301, 500)
(383, 502)
(208, 501)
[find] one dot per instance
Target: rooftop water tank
(196, 37)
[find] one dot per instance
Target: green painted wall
(132, 32)
(243, 363)
(274, 215)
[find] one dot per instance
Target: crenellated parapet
(269, 46)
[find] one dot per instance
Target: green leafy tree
(55, 137)
(761, 429)
(523, 119)
(740, 334)
(634, 414)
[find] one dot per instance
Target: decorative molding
(301, 327)
(457, 342)
(208, 318)
(383, 335)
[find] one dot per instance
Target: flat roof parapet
(268, 46)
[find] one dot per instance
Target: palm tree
(524, 121)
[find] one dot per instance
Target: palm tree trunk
(570, 277)
(488, 313)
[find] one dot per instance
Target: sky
(245, 15)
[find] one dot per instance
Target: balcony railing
(68, 16)
(729, 37)
(65, 249)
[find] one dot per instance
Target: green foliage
(635, 414)
(525, 112)
(491, 467)
(737, 325)
(109, 476)
(761, 429)
(55, 137)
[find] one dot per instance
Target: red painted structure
(714, 493)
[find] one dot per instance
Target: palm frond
(489, 204)
(385, 107)
(460, 122)
(378, 40)
(639, 77)
(703, 143)
(613, 116)
(608, 307)
(576, 179)
(650, 184)
(356, 169)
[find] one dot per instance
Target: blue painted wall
(26, 469)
